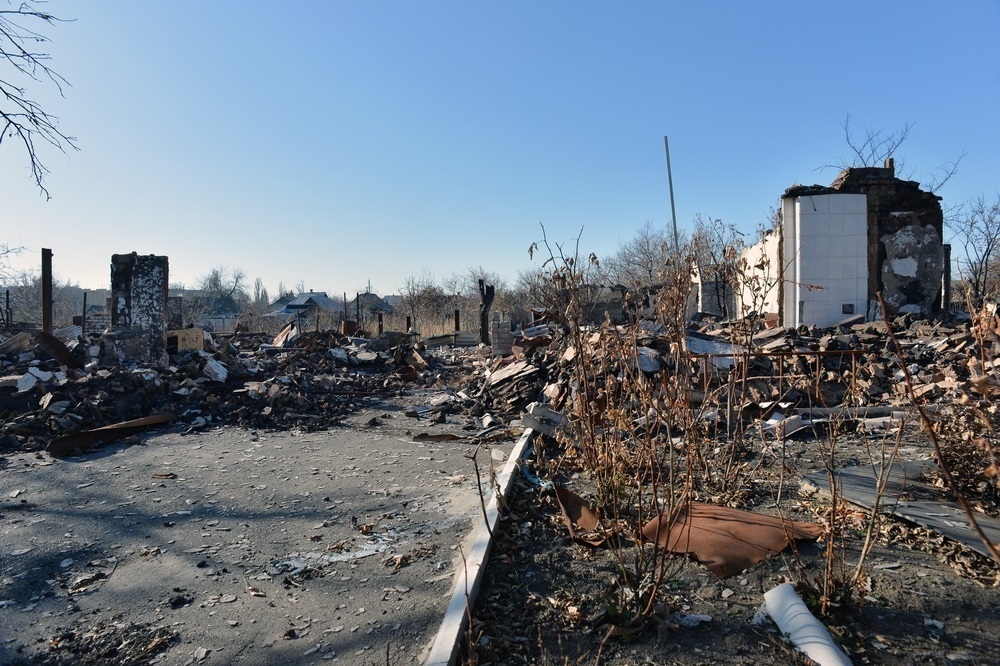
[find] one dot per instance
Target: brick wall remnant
(911, 271)
(138, 309)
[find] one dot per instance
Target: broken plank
(63, 446)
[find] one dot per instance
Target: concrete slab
(254, 547)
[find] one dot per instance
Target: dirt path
(231, 546)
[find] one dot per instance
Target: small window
(848, 308)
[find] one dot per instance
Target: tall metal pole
(670, 183)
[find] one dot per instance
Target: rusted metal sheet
(726, 540)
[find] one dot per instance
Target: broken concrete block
(542, 419)
(649, 360)
(366, 357)
(17, 343)
(27, 382)
(215, 370)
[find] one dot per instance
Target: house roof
(281, 302)
(369, 303)
(306, 301)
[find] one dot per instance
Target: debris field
(792, 408)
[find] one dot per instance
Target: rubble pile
(310, 382)
(857, 365)
(508, 385)
(853, 365)
(746, 392)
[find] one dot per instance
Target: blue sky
(337, 143)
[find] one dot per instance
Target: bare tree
(23, 120)
(260, 296)
(877, 145)
(6, 252)
(220, 295)
(639, 261)
(221, 282)
(873, 148)
(26, 299)
(716, 247)
(253, 307)
(421, 298)
(976, 230)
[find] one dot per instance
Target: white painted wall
(826, 258)
(760, 291)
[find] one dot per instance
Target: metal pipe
(673, 211)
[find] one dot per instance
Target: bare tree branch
(976, 234)
(876, 146)
(872, 149)
(6, 252)
(943, 174)
(23, 120)
(639, 261)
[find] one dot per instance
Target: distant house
(278, 306)
(836, 248)
(367, 304)
(392, 300)
(306, 305)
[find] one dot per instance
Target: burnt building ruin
(138, 310)
(838, 247)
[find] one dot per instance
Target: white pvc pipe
(794, 619)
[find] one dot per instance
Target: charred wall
(138, 309)
(906, 255)
(905, 238)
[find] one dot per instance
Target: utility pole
(670, 183)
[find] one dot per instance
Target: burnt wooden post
(486, 294)
(46, 290)
(380, 323)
